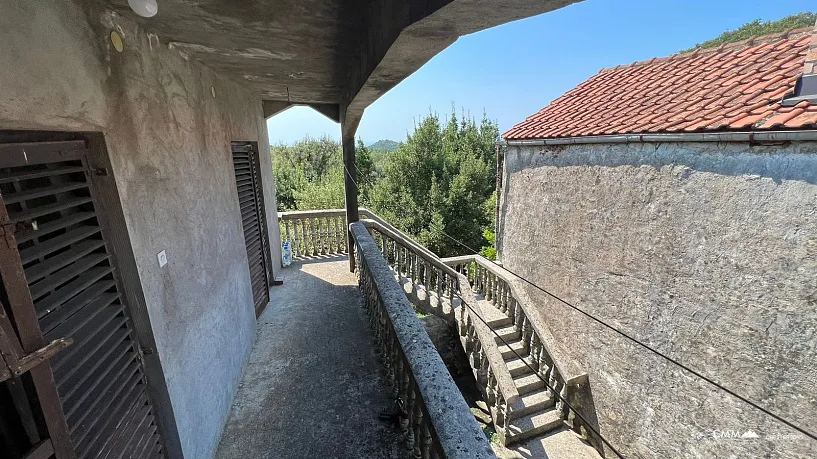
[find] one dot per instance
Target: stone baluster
(560, 404)
(527, 332)
(324, 227)
(418, 429)
(545, 365)
(535, 349)
(511, 307)
(304, 236)
(385, 248)
(490, 386)
(425, 445)
(297, 232)
(506, 296)
(520, 319)
(341, 221)
(501, 411)
(492, 288)
(452, 288)
(318, 235)
(399, 267)
(408, 433)
(307, 224)
(332, 228)
(332, 235)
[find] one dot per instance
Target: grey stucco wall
(169, 144)
(705, 251)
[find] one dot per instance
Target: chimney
(806, 88)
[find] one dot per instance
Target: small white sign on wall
(162, 257)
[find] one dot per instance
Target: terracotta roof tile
(735, 87)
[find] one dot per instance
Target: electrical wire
(631, 338)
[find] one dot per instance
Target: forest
(438, 185)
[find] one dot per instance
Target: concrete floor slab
(312, 387)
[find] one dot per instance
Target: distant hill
(385, 145)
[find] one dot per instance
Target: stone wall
(168, 139)
(706, 252)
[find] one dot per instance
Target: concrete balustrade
(502, 289)
(434, 418)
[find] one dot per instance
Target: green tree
(310, 174)
(436, 184)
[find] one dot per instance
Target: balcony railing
(503, 290)
(394, 268)
(314, 232)
(435, 420)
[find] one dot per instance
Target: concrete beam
(274, 107)
(331, 111)
(416, 34)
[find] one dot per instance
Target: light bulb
(144, 8)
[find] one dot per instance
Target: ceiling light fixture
(144, 8)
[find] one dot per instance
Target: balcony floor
(312, 387)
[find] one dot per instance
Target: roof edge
(726, 47)
(745, 136)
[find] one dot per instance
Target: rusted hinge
(7, 229)
(37, 357)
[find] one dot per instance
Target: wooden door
(61, 236)
(253, 220)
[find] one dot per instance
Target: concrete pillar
(350, 185)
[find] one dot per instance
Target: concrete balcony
(343, 364)
(313, 386)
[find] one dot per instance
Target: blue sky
(513, 70)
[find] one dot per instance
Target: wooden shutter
(61, 237)
(253, 220)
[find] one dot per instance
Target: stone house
(675, 200)
(138, 202)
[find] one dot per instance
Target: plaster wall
(707, 252)
(168, 139)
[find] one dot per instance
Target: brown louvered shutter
(61, 237)
(253, 220)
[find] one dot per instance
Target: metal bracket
(27, 362)
(7, 229)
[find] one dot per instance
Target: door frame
(115, 231)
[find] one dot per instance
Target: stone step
(510, 353)
(516, 367)
(532, 402)
(493, 316)
(528, 383)
(562, 443)
(509, 334)
(533, 425)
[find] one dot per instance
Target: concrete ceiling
(343, 52)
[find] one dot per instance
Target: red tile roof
(736, 87)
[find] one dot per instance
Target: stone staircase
(530, 416)
(537, 413)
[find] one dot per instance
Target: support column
(350, 185)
